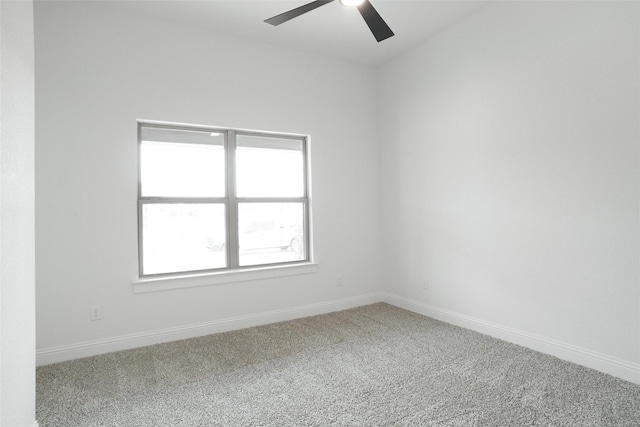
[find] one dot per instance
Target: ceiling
(332, 29)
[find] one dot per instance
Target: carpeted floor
(371, 366)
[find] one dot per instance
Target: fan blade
(378, 27)
(294, 13)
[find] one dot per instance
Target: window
(213, 199)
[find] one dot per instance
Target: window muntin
(212, 199)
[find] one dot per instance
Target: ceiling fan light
(351, 3)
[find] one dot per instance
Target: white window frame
(233, 271)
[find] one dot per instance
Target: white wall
(510, 169)
(98, 69)
(17, 252)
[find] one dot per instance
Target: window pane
(269, 167)
(177, 163)
(183, 237)
(271, 233)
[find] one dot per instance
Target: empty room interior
(264, 217)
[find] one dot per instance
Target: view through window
(215, 199)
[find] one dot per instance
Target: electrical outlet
(340, 280)
(425, 284)
(96, 312)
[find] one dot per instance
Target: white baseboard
(51, 355)
(601, 362)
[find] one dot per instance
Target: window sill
(218, 278)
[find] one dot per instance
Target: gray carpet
(371, 366)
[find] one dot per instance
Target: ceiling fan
(378, 27)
